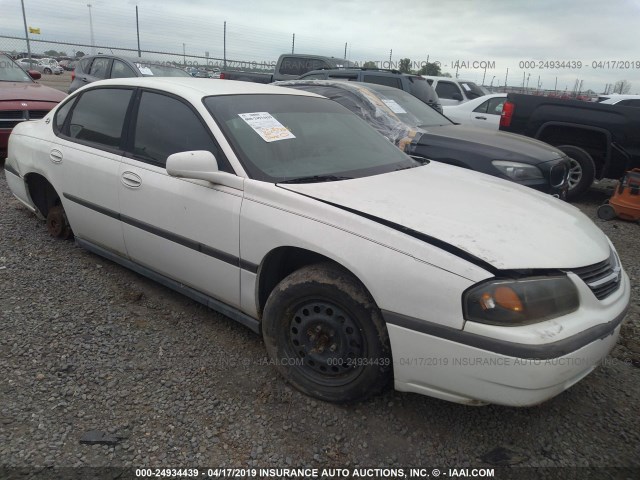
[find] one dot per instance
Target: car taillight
(507, 114)
(222, 76)
(73, 75)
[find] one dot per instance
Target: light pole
(491, 84)
(93, 40)
(26, 31)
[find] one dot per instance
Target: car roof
(196, 88)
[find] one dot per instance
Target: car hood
(29, 92)
(496, 221)
(494, 145)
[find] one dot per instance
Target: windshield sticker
(466, 87)
(394, 106)
(144, 70)
(270, 129)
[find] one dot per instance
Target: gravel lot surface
(86, 345)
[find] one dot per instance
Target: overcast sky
(504, 32)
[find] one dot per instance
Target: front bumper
(470, 368)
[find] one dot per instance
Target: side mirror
(201, 165)
(456, 96)
(34, 74)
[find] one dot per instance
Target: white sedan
(482, 112)
(358, 264)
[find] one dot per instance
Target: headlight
(519, 302)
(518, 171)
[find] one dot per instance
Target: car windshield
(293, 138)
(408, 108)
(471, 90)
(11, 72)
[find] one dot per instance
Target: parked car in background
(622, 100)
(21, 99)
(601, 140)
(413, 84)
(425, 133)
(289, 214)
(481, 112)
(288, 67)
(51, 66)
(46, 66)
(100, 67)
(453, 91)
(196, 72)
(68, 65)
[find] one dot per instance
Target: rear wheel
(47, 71)
(57, 223)
(582, 170)
(606, 212)
(326, 336)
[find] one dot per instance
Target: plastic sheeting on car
(366, 104)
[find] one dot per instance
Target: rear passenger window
(121, 70)
(99, 115)
(165, 126)
(394, 82)
(99, 68)
(61, 116)
(447, 89)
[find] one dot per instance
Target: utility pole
(485, 74)
(138, 32)
(93, 40)
(505, 79)
(26, 30)
(345, 50)
(390, 53)
(293, 43)
(555, 87)
(524, 75)
(224, 61)
(184, 54)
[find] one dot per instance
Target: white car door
(487, 114)
(186, 230)
(86, 154)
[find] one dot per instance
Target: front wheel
(326, 336)
(582, 170)
(47, 71)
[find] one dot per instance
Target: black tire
(606, 212)
(326, 335)
(582, 170)
(47, 71)
(57, 223)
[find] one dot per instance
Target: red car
(21, 99)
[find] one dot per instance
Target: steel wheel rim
(575, 173)
(327, 340)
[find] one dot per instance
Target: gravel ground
(87, 345)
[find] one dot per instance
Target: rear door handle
(481, 118)
(55, 156)
(131, 180)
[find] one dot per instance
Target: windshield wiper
(316, 179)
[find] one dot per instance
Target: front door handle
(481, 118)
(131, 180)
(55, 156)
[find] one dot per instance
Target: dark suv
(413, 84)
(100, 67)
